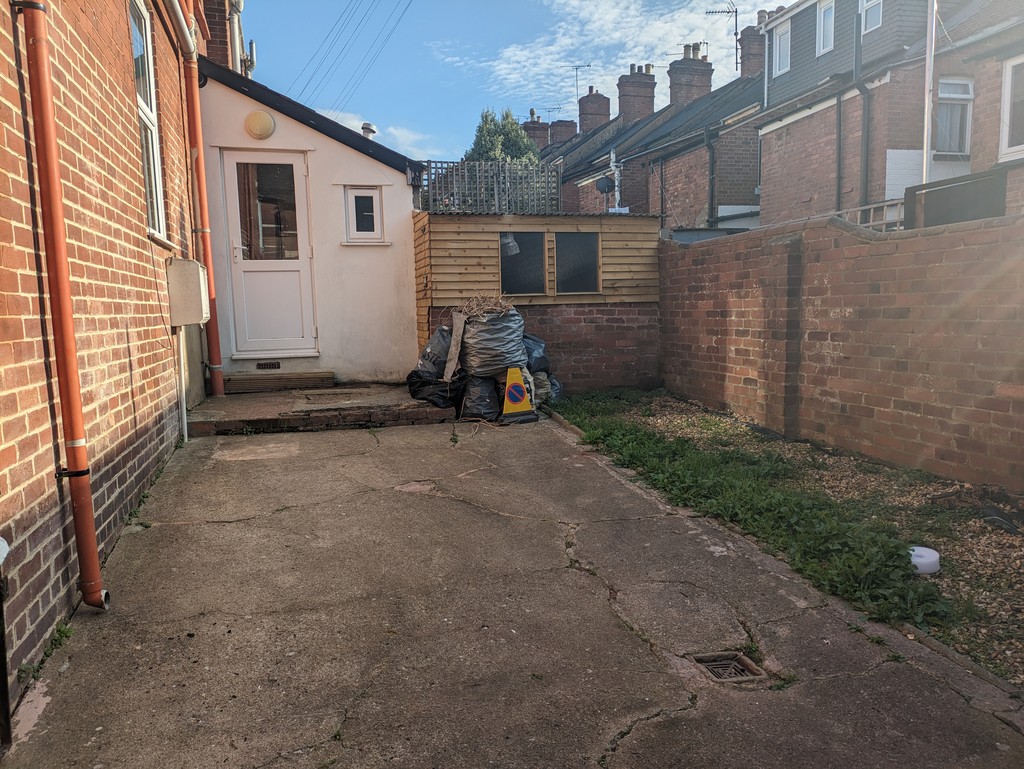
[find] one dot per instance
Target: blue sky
(437, 63)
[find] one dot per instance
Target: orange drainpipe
(195, 140)
(58, 277)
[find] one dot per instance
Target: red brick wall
(590, 201)
(126, 350)
(904, 346)
(685, 189)
(218, 47)
(591, 345)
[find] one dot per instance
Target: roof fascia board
(789, 13)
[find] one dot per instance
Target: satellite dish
(606, 184)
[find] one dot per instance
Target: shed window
(149, 130)
(871, 14)
(363, 215)
(952, 131)
(523, 263)
(826, 26)
(780, 57)
(1011, 133)
(577, 263)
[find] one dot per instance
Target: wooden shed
(586, 284)
(561, 259)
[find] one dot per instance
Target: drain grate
(729, 666)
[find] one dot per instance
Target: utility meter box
(188, 292)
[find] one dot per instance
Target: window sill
(161, 241)
(366, 243)
(1015, 157)
(950, 157)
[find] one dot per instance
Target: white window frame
(966, 99)
(352, 235)
(826, 5)
(156, 220)
(783, 28)
(864, 6)
(1006, 152)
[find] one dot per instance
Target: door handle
(236, 250)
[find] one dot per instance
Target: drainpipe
(865, 114)
(617, 170)
(58, 277)
(839, 151)
(179, 10)
(712, 220)
(235, 25)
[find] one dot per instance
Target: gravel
(976, 529)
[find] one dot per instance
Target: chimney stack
(562, 131)
(537, 130)
(689, 78)
(595, 110)
(752, 50)
(636, 93)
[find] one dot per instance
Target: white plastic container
(925, 560)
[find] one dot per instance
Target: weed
(877, 639)
(61, 633)
(454, 437)
(896, 657)
(337, 735)
(752, 651)
(784, 682)
(858, 558)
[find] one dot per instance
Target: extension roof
(309, 117)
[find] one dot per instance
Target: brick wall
(685, 189)
(904, 346)
(218, 47)
(592, 346)
(126, 350)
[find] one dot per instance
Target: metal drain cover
(729, 666)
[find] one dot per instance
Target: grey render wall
(903, 22)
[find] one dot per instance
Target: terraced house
(101, 282)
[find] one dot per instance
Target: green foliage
(61, 633)
(860, 560)
(502, 139)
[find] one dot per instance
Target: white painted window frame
(783, 28)
(864, 6)
(1006, 152)
(352, 235)
(824, 5)
(156, 221)
(967, 100)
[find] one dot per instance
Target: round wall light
(260, 124)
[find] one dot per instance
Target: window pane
(149, 175)
(364, 213)
(266, 211)
(576, 262)
(1016, 116)
(140, 54)
(827, 35)
(872, 15)
(782, 52)
(950, 133)
(522, 262)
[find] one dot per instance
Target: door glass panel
(266, 211)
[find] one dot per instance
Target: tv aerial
(733, 11)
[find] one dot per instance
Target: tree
(501, 139)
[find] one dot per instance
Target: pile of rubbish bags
(464, 366)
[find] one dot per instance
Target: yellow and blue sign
(517, 406)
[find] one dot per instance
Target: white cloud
(609, 35)
(408, 141)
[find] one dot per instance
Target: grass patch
(841, 551)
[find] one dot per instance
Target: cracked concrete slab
(391, 598)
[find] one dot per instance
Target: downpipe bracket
(63, 472)
(20, 6)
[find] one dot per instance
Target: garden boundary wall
(907, 347)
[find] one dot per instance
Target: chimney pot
(591, 89)
(696, 50)
(762, 17)
(687, 51)
(648, 69)
(632, 69)
(369, 129)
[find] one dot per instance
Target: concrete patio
(468, 596)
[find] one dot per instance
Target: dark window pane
(576, 262)
(364, 213)
(522, 262)
(1016, 116)
(266, 206)
(140, 54)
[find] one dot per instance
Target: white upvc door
(270, 254)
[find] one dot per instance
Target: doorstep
(342, 407)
